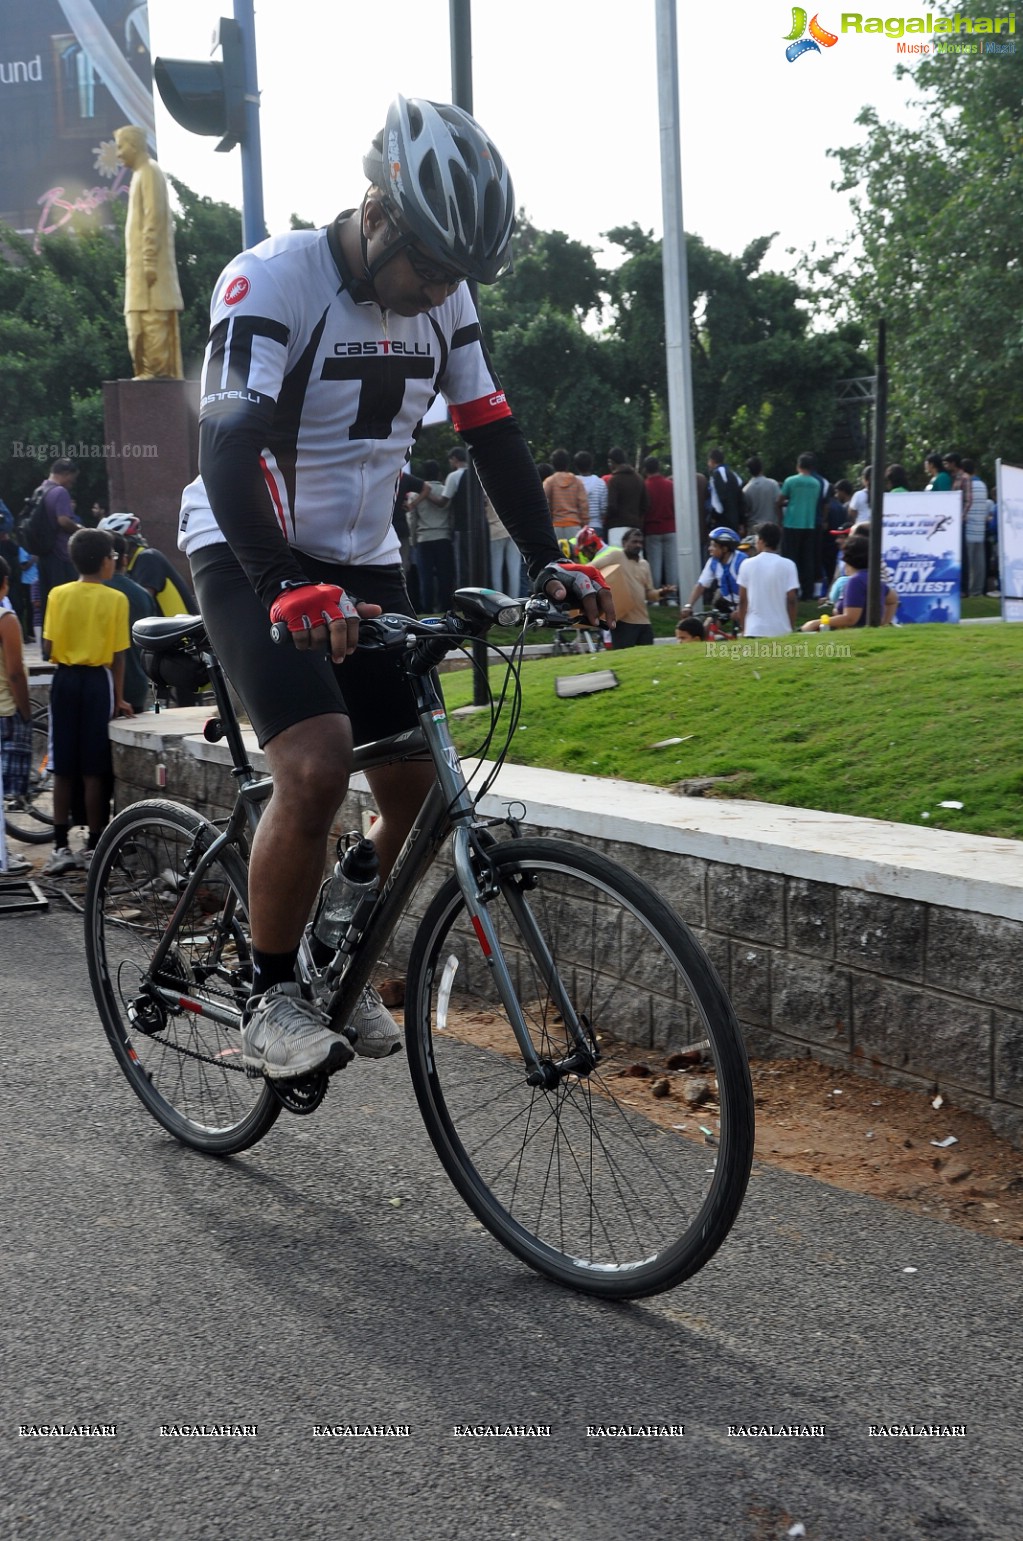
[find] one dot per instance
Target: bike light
(510, 615)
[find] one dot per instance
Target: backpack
(34, 527)
(734, 501)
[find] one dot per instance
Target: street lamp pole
(688, 529)
(474, 544)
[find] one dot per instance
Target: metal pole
(877, 479)
(253, 219)
(676, 307)
(474, 545)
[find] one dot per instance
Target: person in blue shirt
(721, 570)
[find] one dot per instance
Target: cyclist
(149, 568)
(582, 547)
(326, 349)
(720, 570)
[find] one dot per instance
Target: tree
(207, 234)
(62, 334)
(763, 380)
(936, 250)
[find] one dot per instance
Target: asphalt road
(145, 1285)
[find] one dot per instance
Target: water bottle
(825, 623)
(346, 898)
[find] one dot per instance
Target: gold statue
(152, 295)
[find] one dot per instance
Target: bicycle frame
(448, 809)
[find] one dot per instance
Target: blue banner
(922, 549)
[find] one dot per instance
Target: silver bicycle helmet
(447, 184)
(120, 524)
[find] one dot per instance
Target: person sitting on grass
(690, 629)
(85, 633)
(852, 604)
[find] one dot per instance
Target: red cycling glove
(312, 604)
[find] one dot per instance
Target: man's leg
(97, 806)
(655, 558)
(399, 791)
(310, 764)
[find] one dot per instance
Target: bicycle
(30, 817)
(533, 956)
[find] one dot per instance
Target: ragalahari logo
(805, 39)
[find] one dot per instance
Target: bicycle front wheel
(575, 1178)
(174, 1020)
(29, 816)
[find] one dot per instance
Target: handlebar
(473, 613)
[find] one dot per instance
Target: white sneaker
(373, 1031)
(284, 1035)
(62, 859)
(16, 867)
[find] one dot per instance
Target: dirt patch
(856, 1134)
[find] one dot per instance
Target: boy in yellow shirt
(85, 633)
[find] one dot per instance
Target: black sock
(60, 834)
(272, 968)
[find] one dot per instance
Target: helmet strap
(371, 269)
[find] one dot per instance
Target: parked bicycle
(531, 960)
(30, 817)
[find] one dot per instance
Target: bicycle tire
(29, 818)
(183, 1065)
(641, 1210)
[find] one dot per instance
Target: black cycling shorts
(280, 686)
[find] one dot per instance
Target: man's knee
(310, 764)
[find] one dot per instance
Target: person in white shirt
(596, 490)
(859, 503)
(768, 588)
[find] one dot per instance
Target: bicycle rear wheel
(29, 817)
(575, 1180)
(176, 1027)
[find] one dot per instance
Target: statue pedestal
(152, 436)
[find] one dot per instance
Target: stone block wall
(903, 989)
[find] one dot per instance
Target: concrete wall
(893, 952)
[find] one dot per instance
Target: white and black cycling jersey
(328, 393)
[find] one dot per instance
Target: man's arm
(743, 606)
(154, 217)
(14, 663)
(121, 706)
(63, 511)
(792, 602)
(229, 451)
(509, 476)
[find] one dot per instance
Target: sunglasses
(422, 267)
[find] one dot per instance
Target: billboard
(921, 545)
(71, 72)
(1010, 539)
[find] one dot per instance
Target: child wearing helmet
(721, 569)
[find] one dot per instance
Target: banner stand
(1009, 492)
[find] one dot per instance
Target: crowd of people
(791, 538)
(78, 594)
(770, 545)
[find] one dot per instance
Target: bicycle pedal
(304, 1094)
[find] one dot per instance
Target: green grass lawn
(885, 724)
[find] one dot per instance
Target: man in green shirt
(798, 506)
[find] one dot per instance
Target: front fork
(480, 882)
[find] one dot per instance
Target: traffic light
(208, 98)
